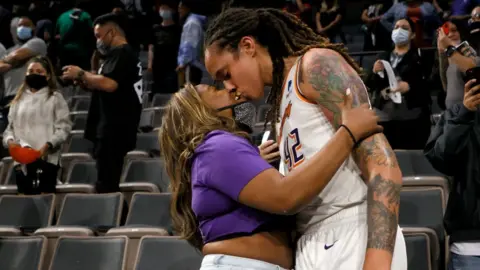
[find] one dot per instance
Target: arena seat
(19, 213)
(73, 100)
(22, 253)
(84, 215)
(422, 248)
(261, 113)
(160, 100)
(167, 253)
(146, 120)
(423, 206)
(92, 253)
(414, 163)
(77, 148)
(80, 178)
(147, 175)
(146, 143)
(149, 214)
(82, 104)
(79, 120)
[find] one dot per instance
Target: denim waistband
(227, 260)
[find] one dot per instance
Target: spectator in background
(190, 52)
(461, 9)
(115, 107)
(453, 63)
(5, 35)
(75, 37)
(39, 118)
(422, 13)
(163, 50)
(328, 19)
(453, 149)
(406, 125)
(13, 65)
(376, 37)
(474, 27)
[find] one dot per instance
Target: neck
(167, 22)
(118, 41)
(402, 48)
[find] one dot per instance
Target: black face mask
(243, 113)
(36, 81)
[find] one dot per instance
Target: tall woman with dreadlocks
(353, 222)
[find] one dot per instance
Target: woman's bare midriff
(271, 247)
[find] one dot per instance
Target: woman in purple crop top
(226, 200)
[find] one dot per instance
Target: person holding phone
(455, 58)
(453, 149)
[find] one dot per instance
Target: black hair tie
(355, 143)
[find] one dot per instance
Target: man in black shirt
(163, 51)
(116, 100)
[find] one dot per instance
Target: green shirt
(65, 24)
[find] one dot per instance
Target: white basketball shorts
(339, 243)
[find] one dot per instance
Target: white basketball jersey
(302, 132)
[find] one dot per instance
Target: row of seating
(97, 253)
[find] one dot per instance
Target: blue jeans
(226, 262)
(462, 262)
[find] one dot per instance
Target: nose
(229, 86)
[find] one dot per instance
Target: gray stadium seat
(72, 102)
(81, 105)
(25, 213)
(422, 248)
(146, 121)
(424, 206)
(167, 253)
(92, 253)
(78, 148)
(80, 178)
(84, 215)
(148, 175)
(79, 120)
(261, 113)
(414, 163)
(146, 143)
(22, 253)
(160, 100)
(149, 214)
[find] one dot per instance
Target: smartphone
(466, 50)
(473, 73)
(266, 136)
(446, 28)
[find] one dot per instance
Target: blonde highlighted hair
(187, 119)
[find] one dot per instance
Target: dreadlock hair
(281, 33)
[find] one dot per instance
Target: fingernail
(348, 91)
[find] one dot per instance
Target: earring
(237, 95)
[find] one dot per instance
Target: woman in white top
(39, 118)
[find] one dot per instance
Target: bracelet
(351, 135)
(80, 75)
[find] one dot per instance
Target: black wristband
(351, 135)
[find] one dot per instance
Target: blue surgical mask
(24, 33)
(400, 36)
(166, 14)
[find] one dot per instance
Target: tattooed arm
(325, 76)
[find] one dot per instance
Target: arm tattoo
(383, 198)
(373, 150)
(330, 75)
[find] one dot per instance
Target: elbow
(290, 204)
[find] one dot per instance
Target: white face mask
(400, 36)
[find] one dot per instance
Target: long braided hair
(281, 33)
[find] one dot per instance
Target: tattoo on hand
(377, 151)
(383, 199)
(331, 75)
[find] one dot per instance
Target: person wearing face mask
(115, 106)
(39, 118)
(13, 65)
(163, 50)
(454, 62)
(406, 123)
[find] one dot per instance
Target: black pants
(41, 177)
(109, 155)
(409, 134)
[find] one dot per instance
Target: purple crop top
(223, 164)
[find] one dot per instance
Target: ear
(247, 45)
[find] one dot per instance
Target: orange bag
(23, 155)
